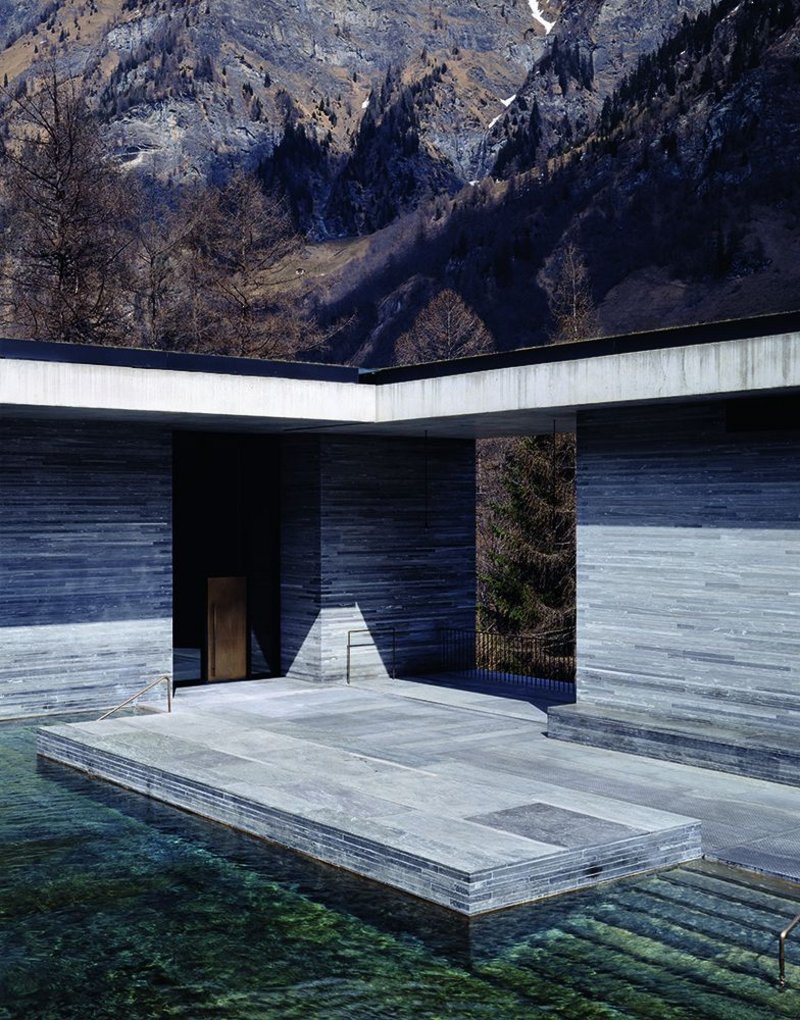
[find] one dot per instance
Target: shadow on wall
(377, 533)
(85, 520)
(733, 464)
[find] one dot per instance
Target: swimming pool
(112, 905)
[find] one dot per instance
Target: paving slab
(393, 782)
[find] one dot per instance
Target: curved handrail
(784, 935)
(165, 677)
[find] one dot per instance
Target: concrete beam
(500, 401)
(156, 394)
(505, 395)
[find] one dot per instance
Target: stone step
(624, 967)
(769, 896)
(697, 924)
(749, 956)
(569, 960)
(746, 751)
(338, 811)
(730, 983)
(697, 941)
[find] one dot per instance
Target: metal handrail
(371, 644)
(165, 677)
(782, 948)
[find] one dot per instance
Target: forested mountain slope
(422, 147)
(683, 196)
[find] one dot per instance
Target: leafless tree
(254, 242)
(212, 272)
(571, 304)
(65, 262)
(445, 328)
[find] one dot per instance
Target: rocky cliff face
(190, 88)
(593, 45)
(468, 140)
(682, 196)
(185, 81)
(17, 17)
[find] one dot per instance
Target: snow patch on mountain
(536, 11)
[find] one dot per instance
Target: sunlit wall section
(85, 563)
(378, 544)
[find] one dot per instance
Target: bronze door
(227, 628)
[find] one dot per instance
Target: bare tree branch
(445, 328)
(571, 303)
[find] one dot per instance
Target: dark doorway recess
(225, 524)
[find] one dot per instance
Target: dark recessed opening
(763, 414)
(226, 519)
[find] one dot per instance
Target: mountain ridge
(422, 148)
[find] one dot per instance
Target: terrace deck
(398, 789)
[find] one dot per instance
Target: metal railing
(371, 644)
(164, 678)
(486, 654)
(784, 935)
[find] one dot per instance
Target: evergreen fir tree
(528, 586)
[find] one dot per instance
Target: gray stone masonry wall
(85, 564)
(689, 567)
(376, 533)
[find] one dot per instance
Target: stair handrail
(371, 644)
(164, 678)
(784, 935)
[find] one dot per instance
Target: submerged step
(727, 898)
(702, 984)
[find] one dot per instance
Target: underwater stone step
(568, 957)
(707, 977)
(757, 963)
(637, 915)
(579, 949)
(747, 890)
(724, 931)
(763, 914)
(705, 911)
(541, 980)
(616, 934)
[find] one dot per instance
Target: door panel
(227, 628)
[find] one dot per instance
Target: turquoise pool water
(115, 906)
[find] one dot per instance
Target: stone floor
(454, 795)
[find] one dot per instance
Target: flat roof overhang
(179, 398)
(531, 398)
(518, 393)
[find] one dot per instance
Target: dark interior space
(226, 519)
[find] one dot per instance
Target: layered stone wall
(689, 564)
(85, 563)
(377, 533)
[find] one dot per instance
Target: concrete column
(377, 533)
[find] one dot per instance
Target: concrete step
(744, 750)
(333, 804)
(734, 891)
